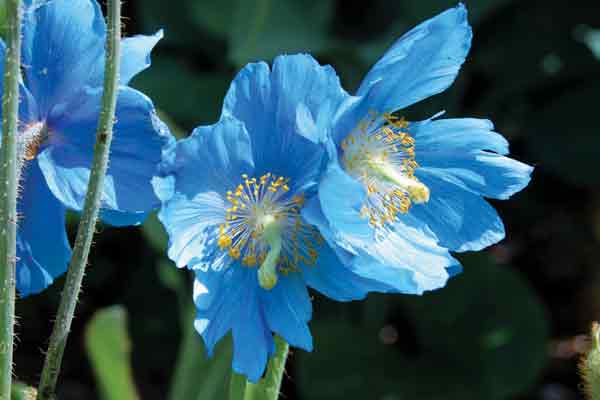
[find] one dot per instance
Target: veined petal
(228, 300)
(423, 62)
(63, 48)
(287, 310)
(135, 153)
(288, 107)
(460, 219)
(42, 245)
(213, 158)
(341, 198)
(467, 153)
(407, 258)
(192, 225)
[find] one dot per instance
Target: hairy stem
(8, 193)
(268, 387)
(91, 207)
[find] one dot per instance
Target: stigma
(263, 228)
(380, 153)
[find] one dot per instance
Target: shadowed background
(507, 328)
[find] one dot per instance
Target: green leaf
(484, 336)
(262, 29)
(107, 344)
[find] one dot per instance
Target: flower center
(380, 153)
(263, 227)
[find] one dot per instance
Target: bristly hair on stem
(8, 193)
(589, 365)
(91, 208)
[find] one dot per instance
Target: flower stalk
(268, 388)
(91, 207)
(8, 193)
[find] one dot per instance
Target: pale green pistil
(272, 232)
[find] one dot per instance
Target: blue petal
(42, 244)
(460, 151)
(205, 166)
(334, 275)
(63, 48)
(228, 300)
(407, 258)
(213, 158)
(287, 310)
(135, 54)
(460, 219)
(423, 62)
(286, 111)
(341, 199)
(192, 225)
(136, 152)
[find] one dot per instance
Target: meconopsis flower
(392, 185)
(234, 198)
(60, 96)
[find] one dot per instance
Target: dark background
(505, 329)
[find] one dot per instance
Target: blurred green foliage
(108, 346)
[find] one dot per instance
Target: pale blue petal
(341, 199)
(460, 219)
(423, 62)
(135, 55)
(42, 245)
(407, 258)
(286, 111)
(63, 48)
(213, 158)
(287, 310)
(192, 225)
(467, 153)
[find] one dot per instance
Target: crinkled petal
(287, 310)
(192, 225)
(63, 48)
(42, 245)
(423, 62)
(341, 198)
(213, 158)
(407, 258)
(205, 166)
(228, 300)
(334, 275)
(136, 151)
(286, 111)
(467, 153)
(460, 219)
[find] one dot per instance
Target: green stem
(91, 207)
(268, 388)
(8, 193)
(237, 386)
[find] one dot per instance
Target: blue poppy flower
(61, 89)
(234, 196)
(392, 184)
